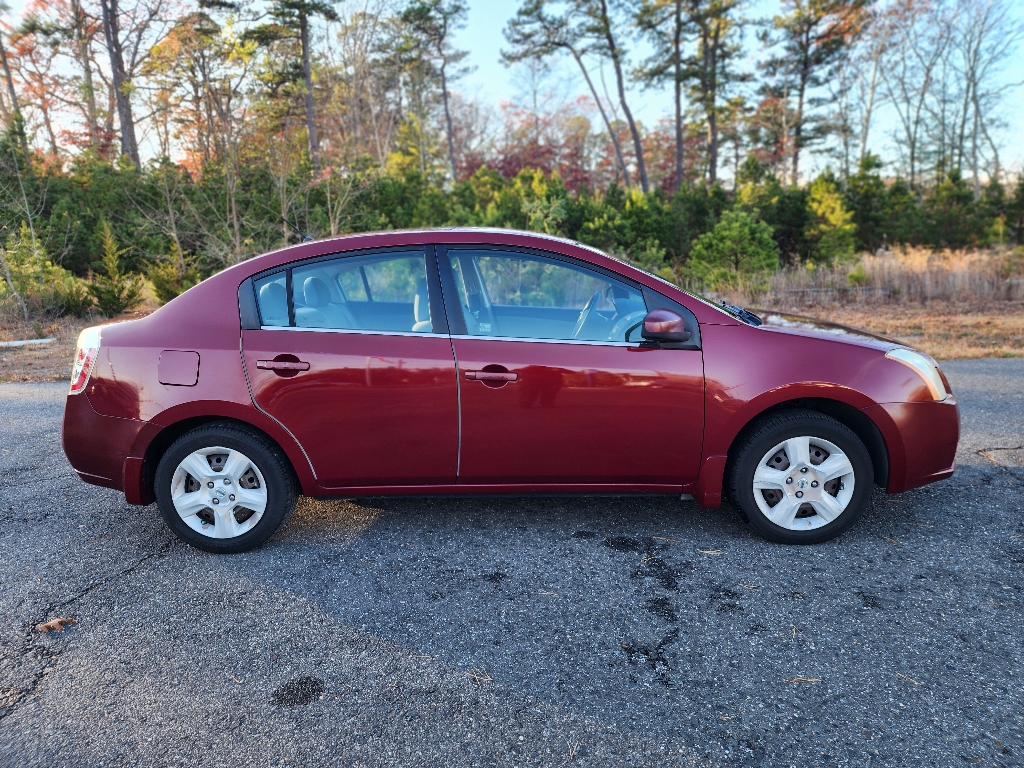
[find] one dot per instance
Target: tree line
(199, 135)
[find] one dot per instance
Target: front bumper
(922, 447)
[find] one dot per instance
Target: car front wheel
(223, 488)
(801, 477)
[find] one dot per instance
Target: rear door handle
(492, 376)
(282, 365)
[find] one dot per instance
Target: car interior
(514, 295)
(503, 294)
(370, 293)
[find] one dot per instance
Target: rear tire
(801, 477)
(223, 488)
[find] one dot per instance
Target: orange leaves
(55, 625)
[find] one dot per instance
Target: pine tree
(114, 291)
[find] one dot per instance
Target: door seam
(458, 402)
(252, 397)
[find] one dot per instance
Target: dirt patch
(46, 362)
(946, 331)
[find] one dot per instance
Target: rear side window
(373, 292)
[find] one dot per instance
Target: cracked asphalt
(501, 632)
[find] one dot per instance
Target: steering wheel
(585, 313)
(625, 324)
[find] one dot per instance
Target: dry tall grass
(916, 275)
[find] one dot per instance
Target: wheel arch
(856, 420)
(154, 440)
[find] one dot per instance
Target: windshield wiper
(748, 317)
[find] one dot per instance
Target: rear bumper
(97, 445)
(923, 448)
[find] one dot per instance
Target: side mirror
(664, 326)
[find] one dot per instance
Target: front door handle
(492, 376)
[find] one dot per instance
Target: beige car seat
(421, 310)
(320, 311)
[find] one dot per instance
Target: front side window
(519, 295)
(373, 292)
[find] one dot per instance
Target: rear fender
(153, 439)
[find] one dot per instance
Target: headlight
(924, 366)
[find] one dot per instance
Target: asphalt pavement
(506, 632)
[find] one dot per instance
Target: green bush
(32, 285)
(830, 230)
(114, 291)
(172, 276)
(740, 243)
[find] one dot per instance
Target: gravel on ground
(494, 632)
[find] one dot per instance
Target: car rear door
(353, 357)
(551, 392)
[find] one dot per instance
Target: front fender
(749, 371)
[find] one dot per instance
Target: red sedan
(479, 361)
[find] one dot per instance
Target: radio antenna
(305, 238)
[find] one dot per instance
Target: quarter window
(519, 295)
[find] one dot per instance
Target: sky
(493, 82)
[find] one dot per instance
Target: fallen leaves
(798, 680)
(480, 676)
(55, 625)
(897, 543)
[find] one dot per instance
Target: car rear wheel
(801, 477)
(223, 488)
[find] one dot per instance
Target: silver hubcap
(219, 492)
(803, 483)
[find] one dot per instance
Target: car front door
(353, 357)
(551, 391)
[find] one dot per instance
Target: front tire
(801, 477)
(223, 488)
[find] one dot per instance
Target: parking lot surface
(502, 632)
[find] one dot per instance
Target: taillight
(85, 358)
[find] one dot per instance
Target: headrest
(274, 304)
(316, 292)
(421, 304)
